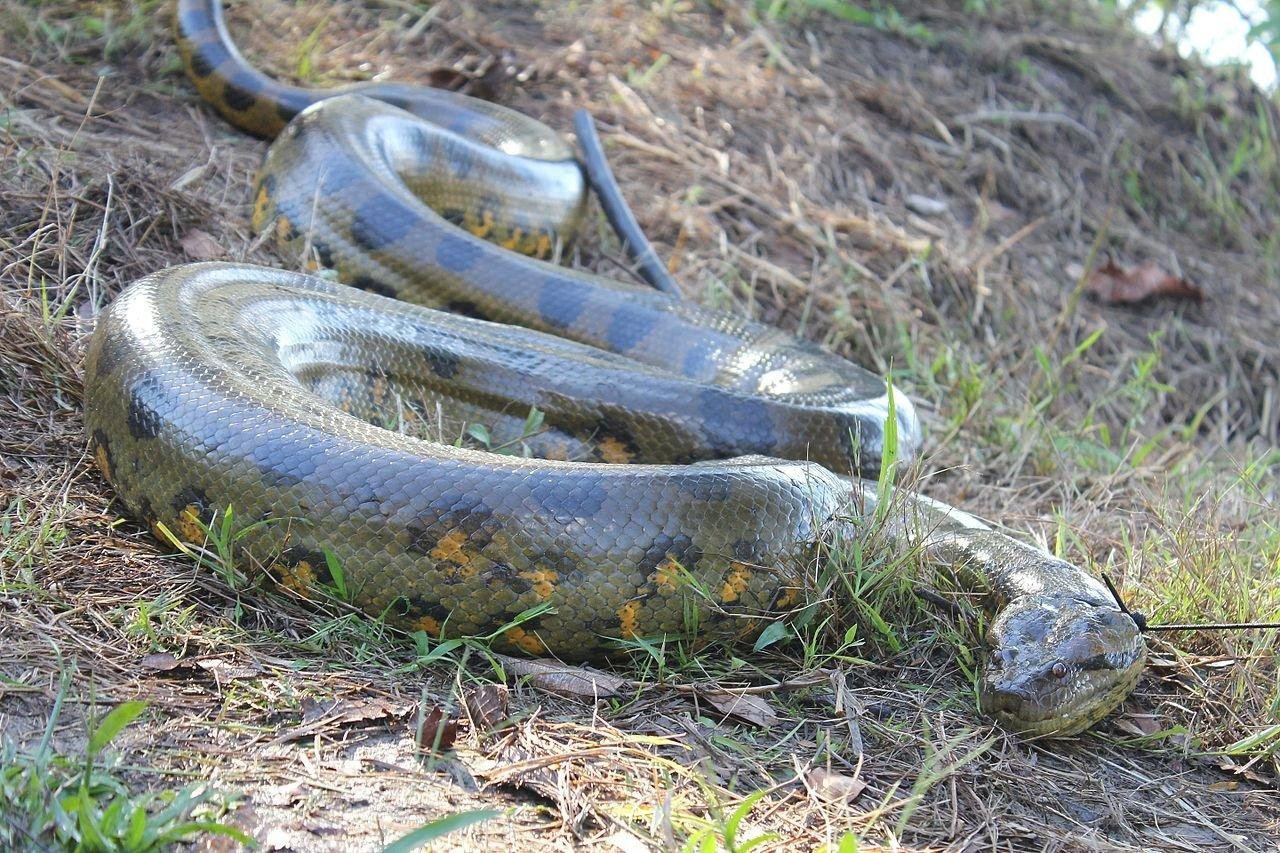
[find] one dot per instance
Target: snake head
(1059, 663)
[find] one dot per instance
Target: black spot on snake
(680, 547)
(338, 174)
(146, 512)
(315, 559)
(199, 64)
(453, 215)
(193, 497)
(699, 360)
(416, 607)
(558, 305)
(381, 221)
(504, 575)
(461, 161)
(456, 253)
(364, 282)
(239, 93)
(443, 363)
(750, 551)
(725, 413)
(281, 461)
(452, 511)
(100, 446)
(629, 325)
(705, 486)
(286, 111)
(569, 497)
(464, 307)
(146, 401)
(110, 354)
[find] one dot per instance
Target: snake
(466, 438)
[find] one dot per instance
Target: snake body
(289, 398)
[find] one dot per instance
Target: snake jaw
(1059, 664)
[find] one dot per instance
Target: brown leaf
(570, 682)
(745, 706)
(160, 662)
(1114, 284)
(487, 705)
(344, 711)
(222, 670)
(832, 787)
(447, 78)
(201, 246)
(1141, 725)
(319, 716)
(437, 730)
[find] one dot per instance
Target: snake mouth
(1032, 713)
(1029, 716)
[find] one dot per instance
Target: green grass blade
(424, 835)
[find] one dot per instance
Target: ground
(927, 188)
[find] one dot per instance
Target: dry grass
(771, 159)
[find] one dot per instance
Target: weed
(81, 803)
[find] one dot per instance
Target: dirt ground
(928, 190)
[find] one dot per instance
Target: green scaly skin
(218, 385)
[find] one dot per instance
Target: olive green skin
(197, 399)
(211, 386)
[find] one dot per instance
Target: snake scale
(325, 415)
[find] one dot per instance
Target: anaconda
(220, 385)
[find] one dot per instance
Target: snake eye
(1058, 670)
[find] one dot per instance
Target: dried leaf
(487, 705)
(437, 730)
(1114, 284)
(344, 711)
(570, 682)
(1141, 725)
(223, 670)
(447, 78)
(201, 246)
(832, 787)
(160, 662)
(745, 706)
(925, 205)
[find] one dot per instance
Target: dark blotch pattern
(464, 307)
(416, 607)
(193, 497)
(239, 92)
(145, 398)
(570, 497)
(558, 306)
(710, 487)
(629, 326)
(199, 65)
(680, 547)
(381, 221)
(453, 510)
(99, 443)
(315, 559)
(745, 419)
(457, 253)
(364, 282)
(443, 363)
